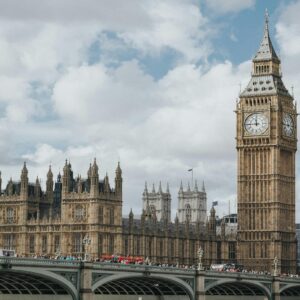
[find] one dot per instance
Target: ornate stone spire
(24, 182)
(159, 188)
(94, 170)
(196, 186)
(168, 190)
(181, 187)
(118, 180)
(50, 174)
(106, 183)
(0, 183)
(153, 188)
(266, 50)
(146, 188)
(188, 188)
(24, 172)
(203, 187)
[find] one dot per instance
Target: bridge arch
(290, 291)
(229, 287)
(39, 282)
(140, 284)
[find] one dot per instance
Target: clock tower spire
(266, 146)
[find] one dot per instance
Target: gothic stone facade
(57, 221)
(266, 146)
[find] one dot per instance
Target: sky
(152, 84)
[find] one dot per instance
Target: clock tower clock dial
(287, 125)
(256, 124)
(266, 145)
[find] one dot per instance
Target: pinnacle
(266, 50)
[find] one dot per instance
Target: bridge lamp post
(200, 256)
(86, 241)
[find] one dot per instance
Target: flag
(215, 203)
(189, 170)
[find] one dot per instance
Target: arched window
(10, 215)
(79, 213)
(188, 212)
(153, 210)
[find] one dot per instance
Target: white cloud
(227, 6)
(94, 93)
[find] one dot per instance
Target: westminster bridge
(46, 279)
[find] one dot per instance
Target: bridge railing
(137, 267)
(37, 261)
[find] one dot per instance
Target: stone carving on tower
(266, 147)
(192, 204)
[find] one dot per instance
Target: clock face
(287, 124)
(256, 123)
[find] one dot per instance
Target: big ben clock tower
(266, 146)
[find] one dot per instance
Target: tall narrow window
(111, 244)
(232, 251)
(31, 244)
(100, 244)
(9, 241)
(101, 215)
(126, 246)
(138, 245)
(188, 212)
(77, 243)
(44, 243)
(57, 244)
(111, 216)
(10, 215)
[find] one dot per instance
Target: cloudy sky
(151, 83)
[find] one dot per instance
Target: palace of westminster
(57, 220)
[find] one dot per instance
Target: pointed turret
(180, 188)
(66, 178)
(37, 188)
(94, 188)
(266, 50)
(106, 184)
(10, 187)
(196, 186)
(266, 74)
(131, 220)
(118, 180)
(89, 172)
(188, 188)
(49, 185)
(168, 190)
(159, 188)
(145, 189)
(24, 183)
(153, 188)
(0, 184)
(79, 184)
(94, 169)
(203, 187)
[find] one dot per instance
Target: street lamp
(86, 241)
(200, 256)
